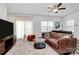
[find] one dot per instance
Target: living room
(34, 19)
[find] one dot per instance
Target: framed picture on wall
(57, 25)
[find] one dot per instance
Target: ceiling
(41, 8)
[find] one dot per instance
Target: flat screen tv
(6, 28)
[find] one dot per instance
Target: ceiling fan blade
(61, 8)
(50, 10)
(59, 4)
(54, 6)
(49, 7)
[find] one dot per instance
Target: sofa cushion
(54, 41)
(54, 35)
(69, 35)
(65, 37)
(59, 35)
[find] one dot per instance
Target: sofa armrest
(67, 43)
(74, 42)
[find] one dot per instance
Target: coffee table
(39, 43)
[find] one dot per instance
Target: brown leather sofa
(62, 41)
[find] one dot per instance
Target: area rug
(23, 47)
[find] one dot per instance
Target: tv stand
(6, 43)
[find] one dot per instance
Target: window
(43, 26)
(46, 26)
(70, 25)
(50, 26)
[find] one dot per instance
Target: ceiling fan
(56, 8)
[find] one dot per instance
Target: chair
(30, 37)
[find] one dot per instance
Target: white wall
(36, 21)
(74, 16)
(3, 11)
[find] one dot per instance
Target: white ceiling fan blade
(50, 11)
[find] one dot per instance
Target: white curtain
(19, 29)
(23, 28)
(28, 28)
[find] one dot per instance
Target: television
(6, 28)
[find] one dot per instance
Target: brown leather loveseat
(62, 41)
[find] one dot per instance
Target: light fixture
(55, 10)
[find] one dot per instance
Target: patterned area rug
(23, 47)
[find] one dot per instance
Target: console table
(6, 43)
